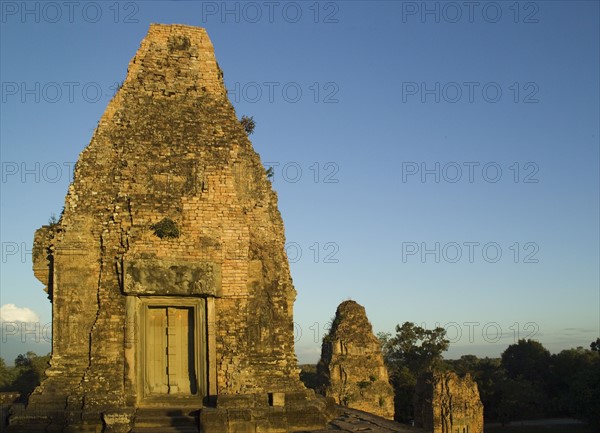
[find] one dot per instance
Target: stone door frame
(204, 347)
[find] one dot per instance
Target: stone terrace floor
(353, 420)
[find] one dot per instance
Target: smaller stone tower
(447, 403)
(351, 369)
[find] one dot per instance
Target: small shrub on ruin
(165, 228)
(248, 123)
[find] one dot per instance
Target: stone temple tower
(351, 369)
(167, 274)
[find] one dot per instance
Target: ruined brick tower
(351, 369)
(167, 273)
(447, 403)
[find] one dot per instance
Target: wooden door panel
(170, 351)
(156, 344)
(180, 351)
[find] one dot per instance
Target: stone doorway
(170, 351)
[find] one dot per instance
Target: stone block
(241, 421)
(277, 419)
(298, 398)
(233, 401)
(213, 421)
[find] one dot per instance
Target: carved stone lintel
(171, 277)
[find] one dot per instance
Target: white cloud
(12, 313)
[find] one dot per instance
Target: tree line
(525, 382)
(25, 375)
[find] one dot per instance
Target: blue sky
(435, 163)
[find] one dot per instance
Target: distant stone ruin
(170, 287)
(447, 403)
(351, 368)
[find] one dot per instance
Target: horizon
(40, 335)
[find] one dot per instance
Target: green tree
(566, 368)
(489, 376)
(248, 123)
(6, 376)
(575, 384)
(404, 382)
(517, 399)
(412, 351)
(416, 348)
(527, 366)
(308, 376)
(527, 359)
(270, 173)
(586, 394)
(29, 371)
(466, 364)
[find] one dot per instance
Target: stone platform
(349, 420)
(353, 420)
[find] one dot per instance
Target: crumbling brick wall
(447, 403)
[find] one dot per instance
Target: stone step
(178, 429)
(166, 420)
(160, 420)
